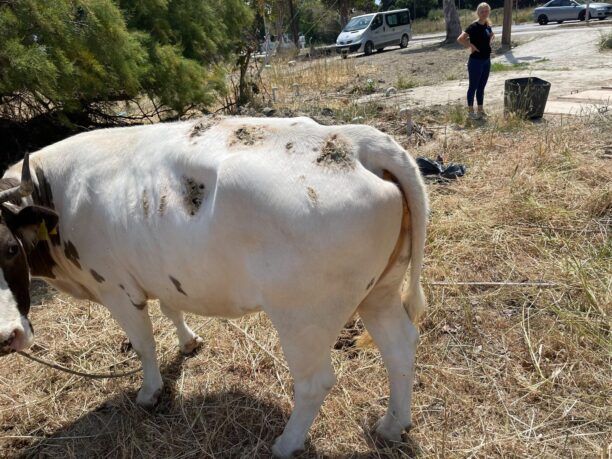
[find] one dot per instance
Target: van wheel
(404, 41)
(542, 19)
(581, 16)
(367, 49)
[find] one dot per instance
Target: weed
(501, 67)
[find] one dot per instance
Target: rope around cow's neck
(78, 373)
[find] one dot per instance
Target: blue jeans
(478, 71)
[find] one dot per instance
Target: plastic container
(526, 96)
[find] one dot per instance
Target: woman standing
(477, 38)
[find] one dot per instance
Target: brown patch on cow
(145, 203)
(247, 135)
(99, 279)
(201, 126)
(313, 195)
(43, 196)
(163, 204)
(177, 285)
(193, 195)
(122, 287)
(41, 262)
(14, 268)
(140, 305)
(71, 254)
(295, 123)
(289, 145)
(336, 153)
(370, 283)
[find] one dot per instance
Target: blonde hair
(482, 6)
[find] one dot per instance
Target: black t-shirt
(480, 37)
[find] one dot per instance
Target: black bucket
(526, 96)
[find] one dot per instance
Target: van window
(392, 19)
(377, 22)
(358, 23)
(403, 18)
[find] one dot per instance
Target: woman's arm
(464, 40)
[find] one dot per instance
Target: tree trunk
(344, 12)
(507, 24)
(294, 24)
(453, 25)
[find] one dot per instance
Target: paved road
(523, 29)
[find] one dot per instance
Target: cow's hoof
(284, 449)
(192, 345)
(146, 399)
(389, 430)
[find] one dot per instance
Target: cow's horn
(26, 186)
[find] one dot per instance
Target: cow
(226, 216)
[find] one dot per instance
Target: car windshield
(358, 23)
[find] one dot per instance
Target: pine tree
(79, 56)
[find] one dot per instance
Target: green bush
(72, 55)
(605, 41)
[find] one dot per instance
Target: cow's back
(219, 216)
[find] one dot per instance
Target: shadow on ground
(222, 424)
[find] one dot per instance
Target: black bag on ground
(430, 167)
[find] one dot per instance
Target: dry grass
(508, 371)
(435, 22)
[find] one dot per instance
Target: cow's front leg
(136, 323)
(188, 340)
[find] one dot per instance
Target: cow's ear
(29, 222)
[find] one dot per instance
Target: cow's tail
(397, 162)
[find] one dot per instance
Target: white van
(375, 31)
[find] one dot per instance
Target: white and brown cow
(225, 217)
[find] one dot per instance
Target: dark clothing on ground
(478, 70)
(480, 37)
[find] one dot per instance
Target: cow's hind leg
(188, 340)
(136, 323)
(306, 343)
(396, 337)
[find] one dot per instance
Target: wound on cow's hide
(163, 203)
(336, 153)
(313, 195)
(193, 195)
(203, 125)
(99, 279)
(247, 135)
(145, 203)
(71, 254)
(177, 285)
(289, 145)
(370, 284)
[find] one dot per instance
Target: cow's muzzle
(18, 337)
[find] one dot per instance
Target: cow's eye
(12, 250)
